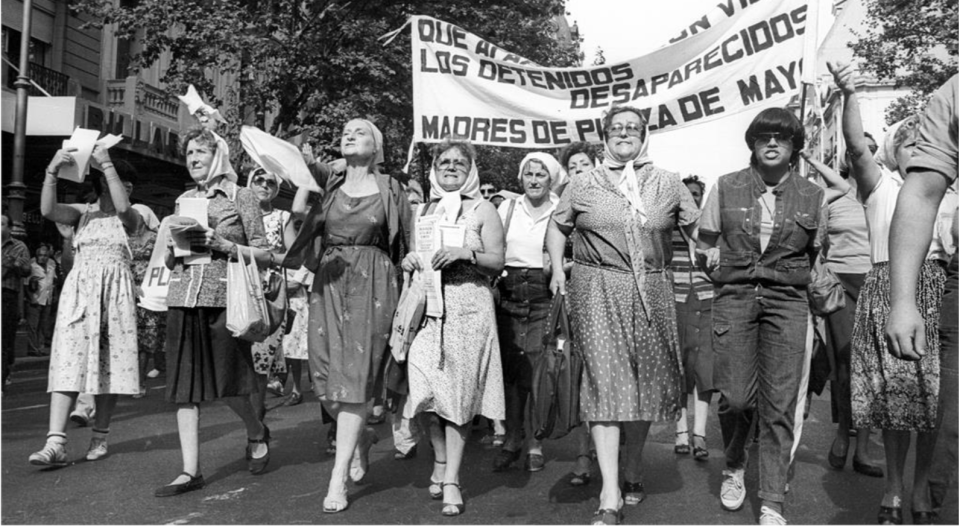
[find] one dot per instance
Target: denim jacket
(798, 227)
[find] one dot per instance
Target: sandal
(633, 493)
(452, 510)
(682, 449)
(336, 503)
(700, 451)
(608, 516)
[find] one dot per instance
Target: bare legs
(896, 445)
(350, 419)
(448, 442)
(606, 437)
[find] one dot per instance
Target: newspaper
(192, 217)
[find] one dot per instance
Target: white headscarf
(628, 184)
(377, 141)
(557, 175)
(221, 161)
(450, 202)
(194, 103)
(887, 156)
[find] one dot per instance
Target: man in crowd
(39, 294)
(16, 266)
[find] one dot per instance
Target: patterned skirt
(632, 368)
(887, 392)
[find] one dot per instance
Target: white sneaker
(52, 454)
(769, 516)
(153, 373)
(98, 449)
(732, 492)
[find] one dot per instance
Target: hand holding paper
(81, 145)
(278, 157)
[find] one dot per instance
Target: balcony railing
(133, 95)
(54, 82)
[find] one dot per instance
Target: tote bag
(555, 404)
(247, 311)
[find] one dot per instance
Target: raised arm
(118, 194)
(836, 185)
(49, 207)
(863, 167)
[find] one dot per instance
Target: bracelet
(108, 164)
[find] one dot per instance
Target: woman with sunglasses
(759, 236)
(268, 358)
(621, 298)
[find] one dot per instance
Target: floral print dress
(268, 354)
(94, 348)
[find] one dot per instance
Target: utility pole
(16, 190)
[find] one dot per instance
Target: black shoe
(195, 483)
(838, 461)
(924, 517)
(867, 469)
(504, 458)
(890, 515)
(258, 465)
(633, 493)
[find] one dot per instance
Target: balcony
(53, 82)
(133, 96)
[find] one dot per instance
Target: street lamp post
(16, 190)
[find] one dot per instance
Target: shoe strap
(445, 484)
(192, 477)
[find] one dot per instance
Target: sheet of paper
(427, 237)
(110, 140)
(83, 140)
(194, 208)
(452, 235)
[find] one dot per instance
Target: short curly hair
(199, 134)
(575, 148)
(462, 145)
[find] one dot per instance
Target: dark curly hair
(575, 148)
(125, 171)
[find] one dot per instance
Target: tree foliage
(314, 64)
(914, 44)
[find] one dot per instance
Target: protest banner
(743, 55)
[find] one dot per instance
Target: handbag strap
(557, 315)
(506, 224)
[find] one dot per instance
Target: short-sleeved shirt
(848, 244)
(234, 213)
(600, 238)
(524, 235)
(18, 255)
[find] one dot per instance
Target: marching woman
(94, 349)
(204, 361)
(453, 366)
(621, 298)
(351, 241)
(759, 236)
(524, 300)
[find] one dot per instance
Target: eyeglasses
(633, 130)
(488, 191)
(263, 181)
(458, 164)
(766, 137)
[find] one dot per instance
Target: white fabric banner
(743, 55)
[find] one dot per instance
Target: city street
(144, 454)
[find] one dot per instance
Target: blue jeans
(944, 467)
(759, 333)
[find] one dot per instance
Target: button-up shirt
(234, 213)
(45, 277)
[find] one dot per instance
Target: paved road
(144, 454)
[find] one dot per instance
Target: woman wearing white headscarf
(621, 299)
(351, 241)
(524, 299)
(453, 366)
(204, 361)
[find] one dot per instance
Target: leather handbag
(555, 400)
(825, 292)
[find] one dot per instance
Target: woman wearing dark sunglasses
(759, 234)
(268, 359)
